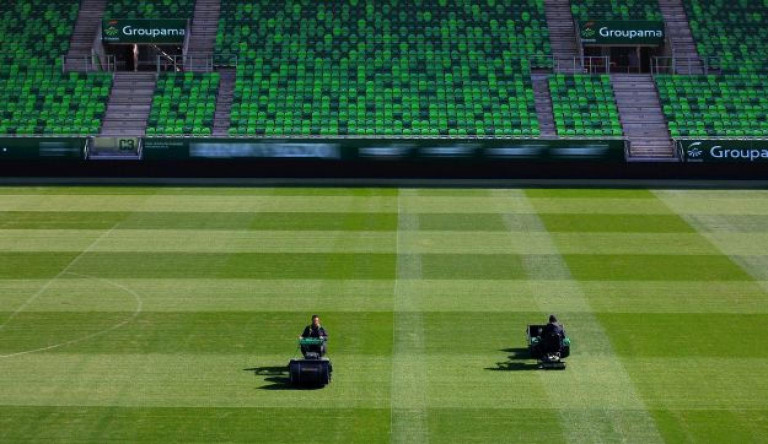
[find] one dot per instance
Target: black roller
(309, 372)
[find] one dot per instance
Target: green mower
(548, 349)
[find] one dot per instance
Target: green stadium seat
(584, 106)
(149, 9)
(184, 104)
(715, 106)
(730, 36)
(435, 68)
(585, 10)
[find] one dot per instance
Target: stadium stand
(439, 67)
(36, 32)
(584, 106)
(37, 97)
(184, 104)
(715, 106)
(43, 101)
(731, 35)
(585, 10)
(149, 9)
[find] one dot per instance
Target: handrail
(200, 63)
(579, 43)
(187, 36)
(88, 63)
(685, 65)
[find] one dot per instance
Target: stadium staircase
(88, 19)
(129, 104)
(683, 44)
(205, 23)
(562, 36)
(642, 117)
(543, 100)
(221, 120)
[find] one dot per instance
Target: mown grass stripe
(639, 267)
(442, 295)
(599, 194)
(218, 265)
(194, 191)
(427, 242)
(721, 203)
(731, 223)
(141, 220)
(681, 335)
(194, 333)
(186, 204)
(615, 223)
(605, 385)
(409, 421)
(713, 425)
(191, 295)
(721, 383)
(150, 380)
(192, 424)
(15, 265)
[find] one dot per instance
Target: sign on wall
(144, 31)
(723, 151)
(600, 32)
(462, 150)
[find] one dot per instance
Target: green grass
(164, 314)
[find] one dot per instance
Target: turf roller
(311, 371)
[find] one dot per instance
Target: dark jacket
(311, 332)
(554, 328)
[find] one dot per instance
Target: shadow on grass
(519, 360)
(277, 377)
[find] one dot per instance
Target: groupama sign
(144, 31)
(638, 33)
(732, 151)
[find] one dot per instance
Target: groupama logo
(112, 30)
(694, 151)
(589, 30)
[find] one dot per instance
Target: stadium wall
(62, 157)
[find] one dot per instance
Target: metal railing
(91, 63)
(583, 65)
(687, 65)
(198, 63)
(579, 43)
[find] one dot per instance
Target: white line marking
(139, 305)
(58, 276)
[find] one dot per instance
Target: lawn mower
(314, 369)
(549, 350)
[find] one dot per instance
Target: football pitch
(155, 314)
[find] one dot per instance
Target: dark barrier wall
(42, 148)
(420, 150)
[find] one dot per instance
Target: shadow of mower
(519, 360)
(277, 377)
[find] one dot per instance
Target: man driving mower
(314, 330)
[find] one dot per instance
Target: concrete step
(81, 41)
(641, 115)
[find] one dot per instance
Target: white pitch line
(408, 399)
(58, 276)
(136, 312)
